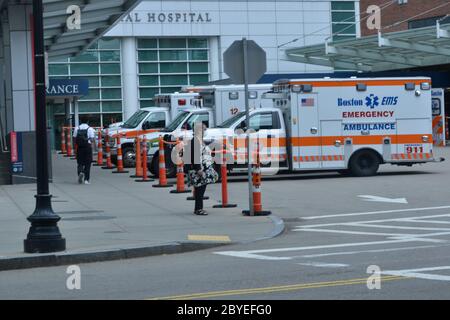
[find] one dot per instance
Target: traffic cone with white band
(162, 167)
(119, 157)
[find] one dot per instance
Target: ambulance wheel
(171, 169)
(129, 160)
(364, 163)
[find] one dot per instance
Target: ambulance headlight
(296, 88)
(425, 139)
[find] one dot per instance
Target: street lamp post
(44, 235)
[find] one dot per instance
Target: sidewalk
(116, 218)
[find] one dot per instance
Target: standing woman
(202, 172)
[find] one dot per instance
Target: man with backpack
(84, 137)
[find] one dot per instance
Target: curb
(65, 258)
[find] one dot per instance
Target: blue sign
(16, 152)
(68, 88)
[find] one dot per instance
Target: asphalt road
(397, 223)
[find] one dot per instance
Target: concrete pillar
(75, 111)
(214, 59)
(20, 105)
(129, 77)
(67, 113)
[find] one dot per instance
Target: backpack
(82, 139)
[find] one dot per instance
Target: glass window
(170, 89)
(198, 67)
(263, 121)
(111, 93)
(111, 106)
(88, 106)
(110, 68)
(342, 5)
(94, 94)
(92, 119)
(173, 80)
(172, 43)
(111, 81)
(109, 55)
(147, 103)
(148, 68)
(110, 118)
(106, 43)
(198, 79)
(58, 69)
(148, 93)
(93, 81)
(84, 68)
(93, 46)
(198, 55)
(173, 55)
(86, 56)
(196, 117)
(198, 43)
(344, 28)
(135, 119)
(148, 81)
(148, 55)
(176, 122)
(340, 38)
(343, 16)
(147, 43)
(173, 67)
(156, 120)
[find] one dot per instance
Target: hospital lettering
(172, 17)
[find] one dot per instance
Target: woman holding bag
(202, 172)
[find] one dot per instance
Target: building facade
(398, 15)
(164, 45)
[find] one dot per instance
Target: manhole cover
(89, 218)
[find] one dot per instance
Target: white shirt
(90, 133)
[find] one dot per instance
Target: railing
(3, 142)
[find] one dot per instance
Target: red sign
(14, 155)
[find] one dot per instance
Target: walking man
(84, 137)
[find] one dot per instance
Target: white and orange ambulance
(438, 111)
(347, 125)
(147, 120)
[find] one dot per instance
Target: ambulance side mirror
(146, 125)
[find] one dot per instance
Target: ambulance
(148, 120)
(438, 111)
(346, 125)
(213, 105)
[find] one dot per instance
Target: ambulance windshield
(176, 122)
(228, 123)
(135, 119)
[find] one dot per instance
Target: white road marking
(382, 199)
(373, 212)
(254, 254)
(324, 265)
(415, 273)
(367, 251)
(398, 227)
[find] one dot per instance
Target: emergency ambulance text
(368, 114)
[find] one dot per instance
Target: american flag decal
(308, 102)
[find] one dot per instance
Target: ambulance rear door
(437, 107)
(308, 140)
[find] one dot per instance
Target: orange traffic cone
(144, 168)
(100, 150)
(181, 188)
(63, 141)
(256, 182)
(162, 167)
(119, 157)
(224, 173)
(109, 164)
(138, 171)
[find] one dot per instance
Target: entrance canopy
(97, 17)
(391, 51)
